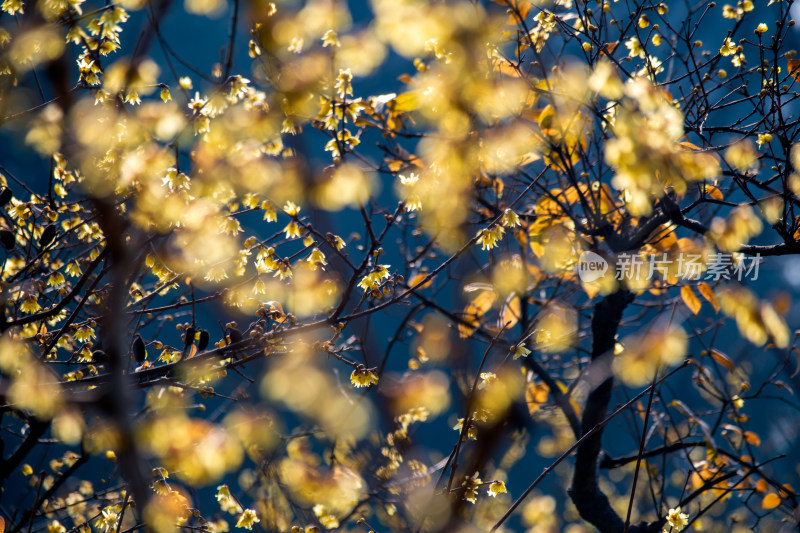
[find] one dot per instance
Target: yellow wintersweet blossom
(247, 519)
(292, 230)
(13, 6)
(676, 520)
(472, 431)
(470, 487)
(30, 304)
(56, 527)
(497, 487)
(521, 351)
(344, 86)
(311, 391)
(509, 219)
(363, 377)
(373, 280)
(728, 47)
(291, 208)
(316, 258)
(489, 237)
(408, 191)
(635, 48)
(227, 502)
(108, 518)
(330, 38)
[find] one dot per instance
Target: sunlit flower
(30, 304)
(107, 519)
(316, 258)
(373, 280)
(471, 486)
(291, 209)
(259, 287)
(197, 103)
(292, 230)
(728, 47)
(296, 45)
(344, 86)
(325, 518)
(269, 211)
(409, 180)
(509, 219)
(677, 520)
(363, 377)
(489, 237)
(227, 502)
(247, 519)
(497, 487)
(521, 351)
(634, 48)
(84, 333)
(13, 6)
(330, 39)
(56, 527)
(216, 274)
(253, 49)
(472, 431)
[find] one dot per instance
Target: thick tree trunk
(592, 504)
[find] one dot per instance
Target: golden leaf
(722, 359)
(504, 66)
(415, 280)
(708, 294)
(192, 352)
(610, 47)
(535, 396)
(690, 299)
(752, 438)
(511, 312)
(396, 164)
(406, 102)
(770, 501)
(794, 68)
(474, 310)
(663, 238)
(713, 192)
